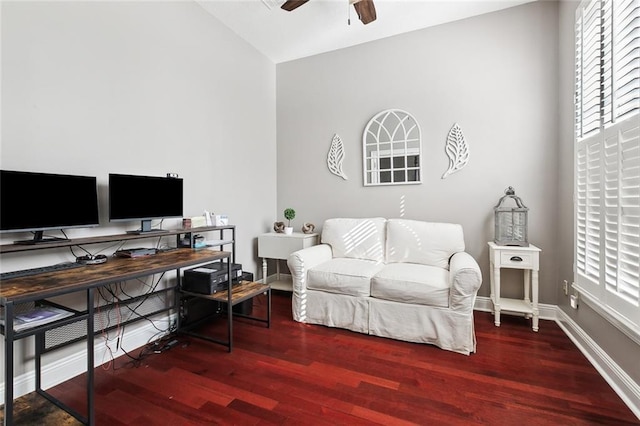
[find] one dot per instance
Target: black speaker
(246, 307)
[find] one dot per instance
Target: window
(607, 159)
(391, 147)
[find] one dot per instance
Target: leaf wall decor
(336, 156)
(457, 150)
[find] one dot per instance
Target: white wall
(144, 88)
(495, 75)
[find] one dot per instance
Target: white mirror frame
(394, 135)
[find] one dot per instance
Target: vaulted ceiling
(323, 25)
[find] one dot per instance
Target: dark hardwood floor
(303, 374)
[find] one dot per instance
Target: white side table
(526, 258)
(279, 247)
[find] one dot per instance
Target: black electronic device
(91, 259)
(210, 278)
(144, 198)
(38, 202)
(136, 252)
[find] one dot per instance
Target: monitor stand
(39, 238)
(145, 228)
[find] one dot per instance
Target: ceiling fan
(365, 8)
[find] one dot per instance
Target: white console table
(526, 258)
(279, 246)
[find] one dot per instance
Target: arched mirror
(391, 146)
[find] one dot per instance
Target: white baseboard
(70, 366)
(626, 388)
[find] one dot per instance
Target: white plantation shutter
(607, 155)
(622, 63)
(588, 206)
(622, 218)
(588, 81)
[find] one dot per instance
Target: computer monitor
(144, 198)
(38, 202)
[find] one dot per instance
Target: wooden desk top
(239, 292)
(116, 269)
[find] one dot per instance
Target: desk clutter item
(38, 316)
(220, 220)
(198, 221)
(91, 259)
(136, 252)
(210, 278)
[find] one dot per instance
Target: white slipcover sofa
(402, 279)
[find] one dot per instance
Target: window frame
(607, 160)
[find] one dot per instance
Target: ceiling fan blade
(366, 11)
(290, 5)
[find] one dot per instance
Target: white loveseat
(403, 279)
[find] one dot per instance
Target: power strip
(171, 343)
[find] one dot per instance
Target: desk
(86, 279)
(525, 258)
(279, 246)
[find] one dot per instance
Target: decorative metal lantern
(511, 221)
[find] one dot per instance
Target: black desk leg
(8, 364)
(269, 308)
(90, 355)
(39, 343)
(229, 305)
(178, 300)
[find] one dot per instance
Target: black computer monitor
(144, 198)
(38, 202)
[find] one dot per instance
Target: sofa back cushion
(356, 238)
(426, 243)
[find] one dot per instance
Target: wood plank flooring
(313, 375)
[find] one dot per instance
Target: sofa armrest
(466, 279)
(299, 262)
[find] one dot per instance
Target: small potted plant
(289, 214)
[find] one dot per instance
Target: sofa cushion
(344, 276)
(426, 243)
(356, 238)
(412, 283)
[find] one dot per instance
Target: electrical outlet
(565, 287)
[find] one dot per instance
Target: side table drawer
(516, 259)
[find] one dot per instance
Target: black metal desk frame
(180, 259)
